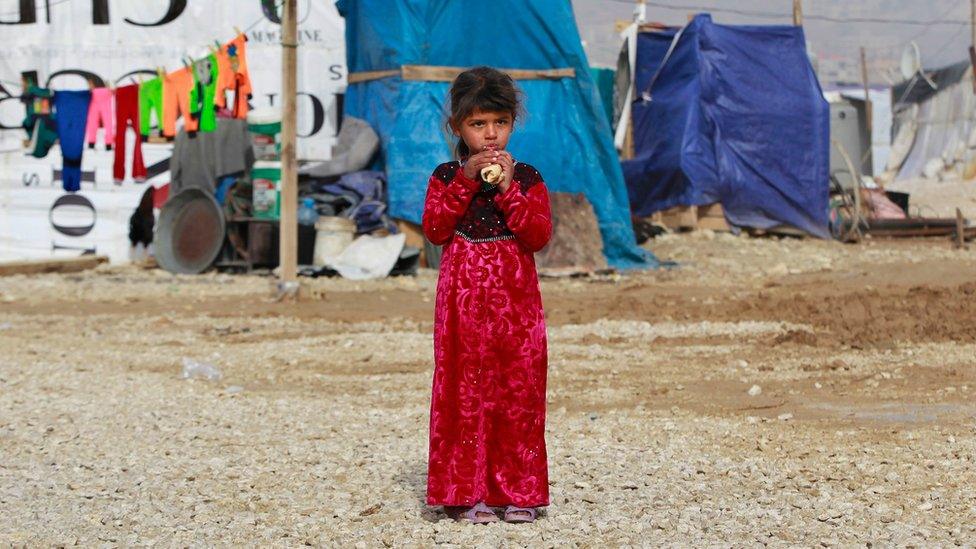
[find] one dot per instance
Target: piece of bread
(491, 174)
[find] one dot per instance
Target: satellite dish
(911, 61)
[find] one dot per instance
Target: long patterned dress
(488, 409)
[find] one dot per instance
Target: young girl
(488, 409)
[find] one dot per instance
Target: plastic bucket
(264, 125)
(266, 192)
(332, 236)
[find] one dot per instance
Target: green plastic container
(266, 192)
(264, 125)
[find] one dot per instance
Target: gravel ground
(720, 403)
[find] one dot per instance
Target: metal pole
(288, 249)
(798, 13)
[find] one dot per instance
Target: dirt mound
(873, 317)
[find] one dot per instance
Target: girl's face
(485, 130)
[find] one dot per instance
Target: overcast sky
(940, 27)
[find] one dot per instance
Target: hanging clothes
(232, 76)
(205, 76)
(43, 137)
(40, 122)
(37, 103)
(198, 161)
(127, 116)
(100, 116)
(177, 86)
(150, 102)
(72, 112)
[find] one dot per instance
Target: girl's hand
(507, 163)
(472, 168)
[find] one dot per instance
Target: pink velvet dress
(488, 408)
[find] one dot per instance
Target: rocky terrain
(764, 392)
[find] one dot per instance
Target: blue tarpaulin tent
(735, 115)
(565, 135)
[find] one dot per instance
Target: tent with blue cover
(402, 56)
(734, 115)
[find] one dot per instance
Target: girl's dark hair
(482, 89)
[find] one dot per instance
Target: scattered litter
(785, 417)
(199, 370)
(6, 326)
(755, 390)
(371, 510)
(233, 389)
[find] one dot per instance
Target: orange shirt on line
(232, 75)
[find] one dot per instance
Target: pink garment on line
(100, 116)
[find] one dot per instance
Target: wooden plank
(60, 265)
(413, 232)
(717, 224)
(431, 73)
(621, 24)
(415, 238)
(366, 76)
(680, 217)
(712, 217)
(711, 210)
(786, 230)
(428, 73)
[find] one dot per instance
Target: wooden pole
(960, 230)
(798, 13)
(972, 44)
(868, 108)
(288, 249)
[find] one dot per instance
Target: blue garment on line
(72, 112)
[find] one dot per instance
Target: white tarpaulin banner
(67, 43)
